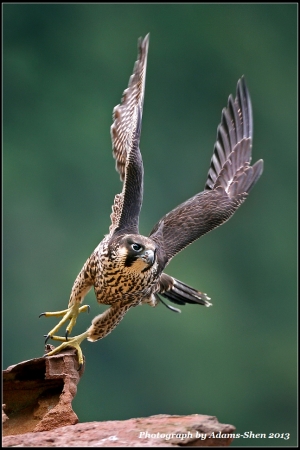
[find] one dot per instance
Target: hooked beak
(148, 256)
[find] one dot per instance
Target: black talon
(80, 364)
(67, 334)
(42, 314)
(47, 336)
(89, 308)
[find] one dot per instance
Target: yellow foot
(68, 314)
(72, 342)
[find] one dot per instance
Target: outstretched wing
(229, 181)
(123, 113)
(125, 134)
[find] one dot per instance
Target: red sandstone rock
(154, 431)
(38, 393)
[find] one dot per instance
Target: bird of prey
(127, 269)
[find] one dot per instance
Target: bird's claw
(70, 314)
(73, 342)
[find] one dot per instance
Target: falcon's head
(136, 253)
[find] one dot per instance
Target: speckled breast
(118, 284)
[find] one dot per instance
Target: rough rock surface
(37, 412)
(154, 431)
(37, 394)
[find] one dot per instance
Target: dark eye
(136, 247)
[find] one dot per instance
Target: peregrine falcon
(127, 269)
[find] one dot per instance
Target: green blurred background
(65, 68)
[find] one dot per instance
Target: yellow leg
(68, 314)
(101, 326)
(72, 342)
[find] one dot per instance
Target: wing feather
(125, 134)
(229, 180)
(133, 96)
(236, 125)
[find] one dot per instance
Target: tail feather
(180, 293)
